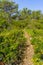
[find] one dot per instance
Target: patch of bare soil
(29, 51)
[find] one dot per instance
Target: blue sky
(30, 4)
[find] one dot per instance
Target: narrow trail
(29, 51)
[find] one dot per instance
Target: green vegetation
(37, 42)
(12, 40)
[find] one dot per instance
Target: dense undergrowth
(12, 40)
(36, 33)
(12, 43)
